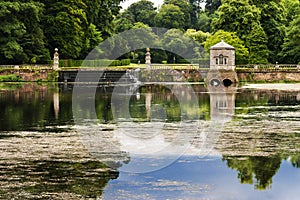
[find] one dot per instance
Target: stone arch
(227, 82)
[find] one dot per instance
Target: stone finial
(55, 59)
(148, 59)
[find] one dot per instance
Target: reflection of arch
(227, 82)
(214, 82)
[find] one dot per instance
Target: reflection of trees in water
(55, 179)
(264, 132)
(255, 143)
(248, 98)
(28, 106)
(295, 160)
(257, 170)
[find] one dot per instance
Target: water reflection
(247, 135)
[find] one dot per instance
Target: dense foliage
(31, 29)
(267, 30)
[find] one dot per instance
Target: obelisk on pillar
(148, 59)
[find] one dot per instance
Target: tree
(231, 38)
(143, 11)
(291, 46)
(292, 9)
(123, 21)
(65, 25)
(21, 38)
(71, 25)
(170, 16)
(204, 22)
(236, 16)
(211, 6)
(244, 19)
(273, 17)
(92, 39)
(195, 9)
(258, 50)
(198, 36)
(101, 13)
(174, 41)
(184, 7)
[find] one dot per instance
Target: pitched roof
(222, 45)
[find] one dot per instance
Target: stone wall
(273, 76)
(31, 74)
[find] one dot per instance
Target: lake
(149, 141)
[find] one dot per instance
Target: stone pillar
(55, 59)
(276, 65)
(148, 59)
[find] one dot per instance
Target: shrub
(10, 78)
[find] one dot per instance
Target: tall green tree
(212, 6)
(195, 9)
(204, 22)
(123, 21)
(236, 16)
(101, 13)
(291, 46)
(184, 7)
(170, 16)
(258, 50)
(21, 38)
(292, 9)
(65, 25)
(143, 11)
(244, 19)
(273, 20)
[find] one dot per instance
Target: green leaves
(170, 16)
(257, 43)
(29, 29)
(291, 46)
(236, 16)
(21, 38)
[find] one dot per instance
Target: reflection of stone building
(222, 102)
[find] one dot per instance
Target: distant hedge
(93, 63)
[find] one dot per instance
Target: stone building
(222, 56)
(222, 65)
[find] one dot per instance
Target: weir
(103, 76)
